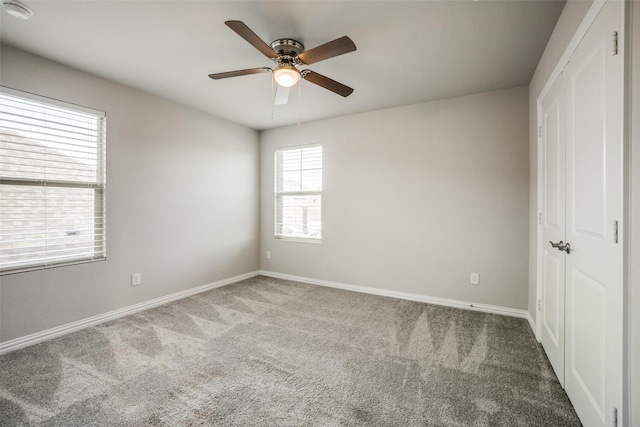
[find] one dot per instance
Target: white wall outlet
(268, 254)
(135, 279)
(474, 279)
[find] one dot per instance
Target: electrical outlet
(268, 254)
(135, 279)
(474, 279)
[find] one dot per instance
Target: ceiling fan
(289, 54)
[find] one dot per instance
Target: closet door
(594, 83)
(553, 222)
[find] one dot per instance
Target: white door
(552, 151)
(593, 351)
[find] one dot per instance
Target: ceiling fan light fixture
(286, 75)
(17, 9)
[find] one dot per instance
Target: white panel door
(553, 221)
(593, 347)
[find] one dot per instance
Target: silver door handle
(562, 246)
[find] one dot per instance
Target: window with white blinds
(52, 182)
(298, 193)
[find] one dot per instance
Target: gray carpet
(269, 352)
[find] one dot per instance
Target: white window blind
(298, 192)
(52, 182)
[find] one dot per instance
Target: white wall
(182, 202)
(572, 15)
(415, 198)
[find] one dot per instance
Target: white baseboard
(58, 331)
(506, 311)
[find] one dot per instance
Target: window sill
(298, 239)
(44, 267)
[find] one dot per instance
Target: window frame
(278, 195)
(98, 186)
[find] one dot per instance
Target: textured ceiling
(407, 52)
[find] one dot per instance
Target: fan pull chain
(273, 94)
(299, 101)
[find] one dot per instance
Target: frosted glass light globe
(286, 75)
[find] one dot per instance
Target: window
(52, 182)
(298, 193)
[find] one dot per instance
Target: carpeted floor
(269, 352)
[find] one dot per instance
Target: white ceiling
(407, 51)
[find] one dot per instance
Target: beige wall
(182, 202)
(415, 198)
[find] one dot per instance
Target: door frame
(631, 216)
(626, 316)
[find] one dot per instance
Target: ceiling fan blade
(255, 41)
(327, 83)
(281, 96)
(218, 76)
(328, 50)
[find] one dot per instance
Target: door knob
(562, 246)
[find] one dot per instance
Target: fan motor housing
(287, 47)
